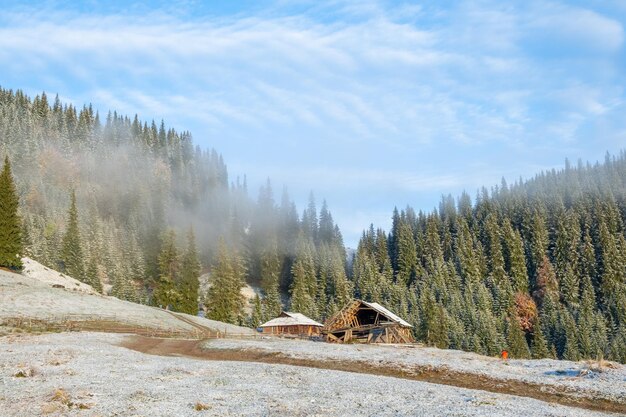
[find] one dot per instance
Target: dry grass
(201, 407)
(61, 396)
(53, 407)
(28, 372)
(62, 401)
(598, 365)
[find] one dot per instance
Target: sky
(368, 104)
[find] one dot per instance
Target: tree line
(135, 209)
(538, 268)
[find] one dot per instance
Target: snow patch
(35, 270)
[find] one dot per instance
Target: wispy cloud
(379, 78)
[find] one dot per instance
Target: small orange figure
(504, 354)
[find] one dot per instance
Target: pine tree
(539, 347)
(301, 299)
(304, 285)
(189, 274)
(468, 264)
(10, 224)
(166, 294)
(494, 246)
(516, 261)
(407, 255)
(123, 287)
(516, 339)
(224, 300)
(571, 350)
(72, 259)
(93, 277)
(256, 318)
(270, 279)
(566, 257)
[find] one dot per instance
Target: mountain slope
(26, 298)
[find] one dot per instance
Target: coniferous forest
(135, 209)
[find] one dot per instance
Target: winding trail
(547, 393)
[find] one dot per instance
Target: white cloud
(580, 27)
(379, 84)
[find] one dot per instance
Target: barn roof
(287, 318)
(382, 310)
(346, 317)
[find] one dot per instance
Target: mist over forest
(135, 208)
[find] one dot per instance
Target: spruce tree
(166, 294)
(270, 280)
(516, 261)
(256, 317)
(10, 224)
(539, 347)
(72, 259)
(189, 274)
(301, 299)
(93, 276)
(516, 339)
(571, 350)
(224, 301)
(407, 255)
(304, 286)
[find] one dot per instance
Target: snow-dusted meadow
(88, 374)
(575, 378)
(33, 296)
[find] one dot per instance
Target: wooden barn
(294, 324)
(365, 322)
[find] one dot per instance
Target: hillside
(68, 373)
(34, 298)
(537, 267)
(150, 209)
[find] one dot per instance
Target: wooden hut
(365, 322)
(294, 324)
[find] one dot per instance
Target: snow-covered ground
(34, 269)
(575, 378)
(34, 297)
(87, 374)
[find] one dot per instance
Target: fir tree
(270, 280)
(189, 274)
(304, 286)
(10, 224)
(93, 276)
(407, 255)
(224, 300)
(166, 294)
(539, 347)
(256, 318)
(516, 339)
(570, 346)
(72, 259)
(516, 261)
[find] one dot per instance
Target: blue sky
(370, 104)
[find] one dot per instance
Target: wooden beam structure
(361, 322)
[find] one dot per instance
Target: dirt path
(191, 348)
(203, 329)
